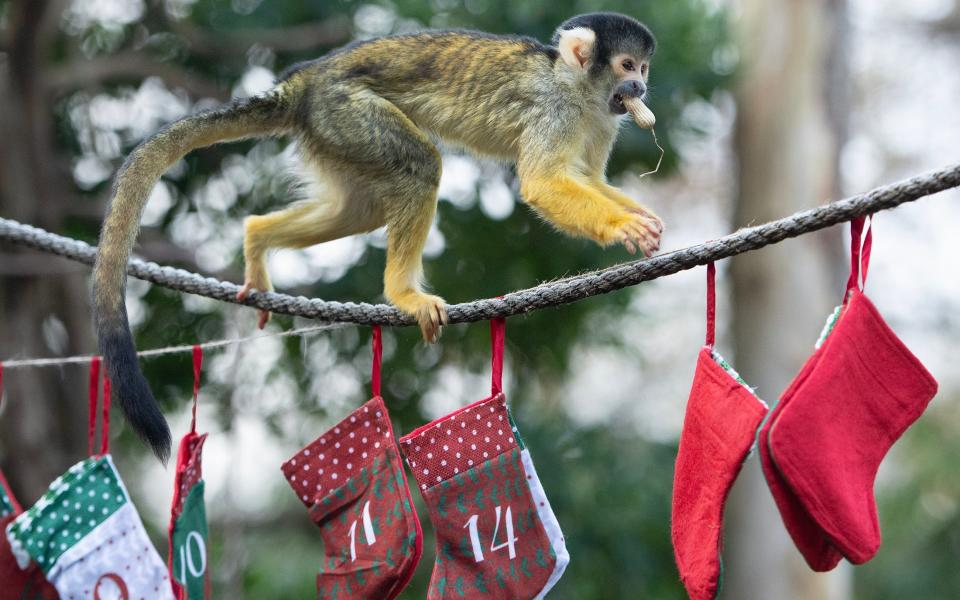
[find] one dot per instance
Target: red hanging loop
(860, 247)
(105, 422)
(497, 328)
(711, 304)
(92, 395)
(865, 252)
(377, 361)
(197, 364)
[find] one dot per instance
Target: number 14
(475, 536)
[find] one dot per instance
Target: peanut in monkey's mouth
(617, 106)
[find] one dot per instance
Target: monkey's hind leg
(304, 224)
(395, 162)
(407, 229)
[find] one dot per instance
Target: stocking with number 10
(187, 556)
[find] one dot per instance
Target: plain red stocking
(803, 529)
(719, 427)
(866, 389)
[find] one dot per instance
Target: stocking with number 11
(352, 481)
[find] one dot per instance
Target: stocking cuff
(457, 442)
(337, 455)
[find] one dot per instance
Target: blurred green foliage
(610, 488)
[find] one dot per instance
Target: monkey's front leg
(582, 210)
(625, 201)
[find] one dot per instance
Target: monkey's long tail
(252, 117)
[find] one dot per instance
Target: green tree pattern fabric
(490, 539)
(17, 583)
(187, 557)
(352, 481)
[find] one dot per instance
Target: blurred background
(764, 107)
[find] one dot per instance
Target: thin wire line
(49, 362)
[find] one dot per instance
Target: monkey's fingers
(264, 316)
(244, 291)
(644, 238)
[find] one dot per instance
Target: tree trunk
(791, 125)
(42, 429)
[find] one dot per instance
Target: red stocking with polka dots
(187, 548)
(352, 481)
(17, 583)
(491, 526)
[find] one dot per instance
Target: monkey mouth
(616, 104)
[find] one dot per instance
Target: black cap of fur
(130, 387)
(615, 33)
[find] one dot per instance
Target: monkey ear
(576, 46)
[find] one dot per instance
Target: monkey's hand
(638, 230)
(628, 203)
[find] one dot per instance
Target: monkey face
(631, 81)
(613, 50)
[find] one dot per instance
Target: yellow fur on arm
(574, 207)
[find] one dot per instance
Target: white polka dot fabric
(88, 538)
(340, 453)
(459, 441)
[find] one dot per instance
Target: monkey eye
(628, 65)
(643, 69)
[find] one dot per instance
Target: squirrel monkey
(365, 117)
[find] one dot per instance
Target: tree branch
(230, 44)
(129, 65)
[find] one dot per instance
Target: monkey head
(613, 50)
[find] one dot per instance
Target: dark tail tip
(130, 388)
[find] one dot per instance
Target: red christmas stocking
(187, 553)
(828, 442)
(352, 481)
(809, 539)
(85, 533)
(491, 528)
(718, 429)
(17, 583)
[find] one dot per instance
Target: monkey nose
(631, 89)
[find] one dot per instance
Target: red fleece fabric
(718, 429)
(829, 440)
(351, 479)
(17, 583)
(809, 539)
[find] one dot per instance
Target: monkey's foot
(262, 315)
(429, 310)
(640, 231)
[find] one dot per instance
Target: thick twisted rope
(554, 293)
